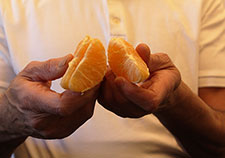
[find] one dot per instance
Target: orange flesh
(126, 62)
(88, 67)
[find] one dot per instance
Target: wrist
(10, 128)
(173, 100)
(189, 118)
(13, 125)
(178, 106)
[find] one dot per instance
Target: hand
(130, 100)
(41, 112)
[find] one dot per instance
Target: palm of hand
(130, 100)
(41, 112)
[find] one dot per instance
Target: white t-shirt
(191, 32)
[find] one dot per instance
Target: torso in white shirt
(43, 29)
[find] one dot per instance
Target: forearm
(10, 127)
(198, 127)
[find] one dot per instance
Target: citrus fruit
(88, 66)
(125, 61)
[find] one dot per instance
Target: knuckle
(48, 65)
(36, 67)
(30, 70)
(31, 65)
(164, 57)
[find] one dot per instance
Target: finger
(65, 125)
(110, 97)
(161, 66)
(48, 70)
(113, 100)
(159, 61)
(146, 99)
(43, 100)
(111, 93)
(106, 95)
(155, 61)
(77, 109)
(72, 101)
(39, 100)
(144, 52)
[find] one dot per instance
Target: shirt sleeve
(212, 45)
(6, 70)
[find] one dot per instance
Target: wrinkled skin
(136, 100)
(41, 112)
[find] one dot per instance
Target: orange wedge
(126, 62)
(88, 66)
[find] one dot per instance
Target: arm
(197, 124)
(198, 127)
(9, 140)
(214, 97)
(9, 137)
(30, 108)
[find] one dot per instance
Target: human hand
(41, 112)
(130, 100)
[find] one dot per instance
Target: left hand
(34, 109)
(136, 100)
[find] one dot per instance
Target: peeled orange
(88, 66)
(125, 61)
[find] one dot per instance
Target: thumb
(47, 70)
(144, 52)
(137, 95)
(156, 61)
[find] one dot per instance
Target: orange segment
(88, 67)
(125, 61)
(78, 55)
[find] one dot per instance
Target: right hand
(127, 99)
(41, 112)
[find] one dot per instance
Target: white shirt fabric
(191, 32)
